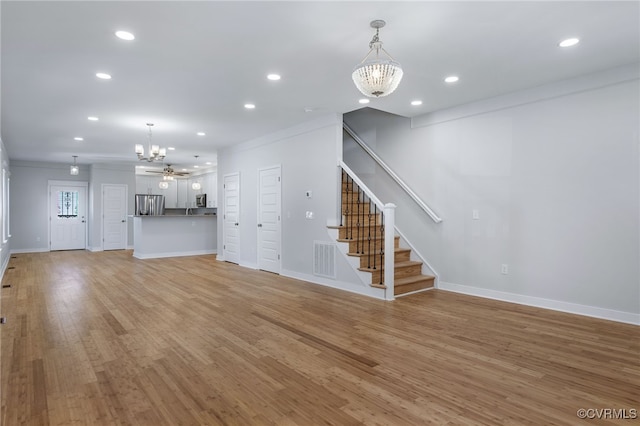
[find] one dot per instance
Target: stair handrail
(395, 177)
(362, 186)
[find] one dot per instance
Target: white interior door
(68, 213)
(114, 217)
(269, 219)
(231, 218)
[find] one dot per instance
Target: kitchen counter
(174, 235)
(179, 215)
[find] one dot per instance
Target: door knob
(259, 225)
(236, 223)
(123, 221)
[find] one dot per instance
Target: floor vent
(324, 259)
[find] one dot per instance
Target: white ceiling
(193, 65)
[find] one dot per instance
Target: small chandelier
(377, 77)
(74, 170)
(155, 152)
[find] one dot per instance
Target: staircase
(362, 227)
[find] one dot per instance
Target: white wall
(5, 204)
(30, 200)
(554, 175)
(108, 174)
(308, 157)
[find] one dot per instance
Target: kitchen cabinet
(212, 189)
(170, 194)
(183, 193)
(147, 185)
(208, 185)
(151, 185)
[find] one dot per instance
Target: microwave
(201, 200)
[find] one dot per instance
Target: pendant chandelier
(155, 152)
(74, 169)
(377, 77)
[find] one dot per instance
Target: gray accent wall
(553, 174)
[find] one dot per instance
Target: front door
(114, 217)
(269, 219)
(67, 214)
(231, 218)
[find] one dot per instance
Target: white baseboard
(94, 249)
(34, 250)
(248, 265)
(539, 302)
(377, 293)
(174, 254)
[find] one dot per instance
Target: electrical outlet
(308, 194)
(504, 269)
(475, 214)
(309, 215)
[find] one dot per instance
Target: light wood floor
(105, 339)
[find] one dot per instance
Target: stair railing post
(389, 249)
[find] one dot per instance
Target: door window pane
(67, 204)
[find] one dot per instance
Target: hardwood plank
(106, 339)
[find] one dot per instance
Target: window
(67, 204)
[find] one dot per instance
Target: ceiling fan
(168, 172)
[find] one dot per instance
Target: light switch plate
(308, 194)
(475, 214)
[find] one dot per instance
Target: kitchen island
(174, 235)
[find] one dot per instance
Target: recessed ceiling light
(201, 133)
(451, 79)
(208, 163)
(125, 35)
(363, 101)
(416, 103)
(249, 106)
(569, 42)
(78, 138)
(196, 166)
(184, 170)
(274, 77)
(103, 76)
(171, 148)
(92, 118)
